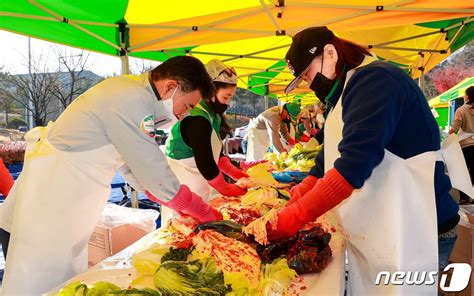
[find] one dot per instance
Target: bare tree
(139, 66)
(74, 83)
(7, 101)
(37, 88)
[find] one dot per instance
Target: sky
(14, 55)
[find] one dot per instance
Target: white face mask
(169, 113)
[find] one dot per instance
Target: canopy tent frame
(420, 51)
(235, 56)
(461, 26)
(74, 24)
(275, 24)
(195, 28)
(258, 52)
(278, 32)
(124, 50)
(393, 7)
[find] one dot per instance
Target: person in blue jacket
(378, 168)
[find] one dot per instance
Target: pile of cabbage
(300, 158)
(187, 272)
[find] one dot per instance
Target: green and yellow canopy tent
(443, 103)
(250, 35)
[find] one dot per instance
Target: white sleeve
(146, 162)
(273, 133)
(127, 174)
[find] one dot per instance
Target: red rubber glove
(225, 188)
(328, 192)
(245, 165)
(226, 166)
(292, 142)
(6, 180)
(189, 203)
(301, 189)
(305, 138)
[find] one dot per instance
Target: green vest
(300, 131)
(175, 146)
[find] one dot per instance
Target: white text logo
(459, 278)
(454, 278)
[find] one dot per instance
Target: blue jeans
(244, 146)
(445, 247)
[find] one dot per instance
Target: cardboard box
(463, 253)
(107, 241)
(469, 211)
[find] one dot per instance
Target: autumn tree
(454, 70)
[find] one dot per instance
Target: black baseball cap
(306, 45)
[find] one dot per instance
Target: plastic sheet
(466, 212)
(114, 215)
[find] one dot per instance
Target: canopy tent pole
(407, 49)
(125, 65)
(123, 51)
(463, 24)
(258, 52)
(260, 72)
(252, 68)
(31, 17)
(72, 23)
(441, 31)
(425, 62)
(368, 9)
(236, 56)
(210, 29)
(337, 19)
(421, 79)
(400, 6)
(273, 80)
(29, 111)
(265, 98)
(460, 25)
(194, 28)
(275, 24)
(410, 38)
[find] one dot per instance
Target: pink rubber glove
(225, 188)
(189, 203)
(328, 192)
(226, 166)
(245, 165)
(301, 189)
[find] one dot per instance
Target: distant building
(54, 108)
(87, 80)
